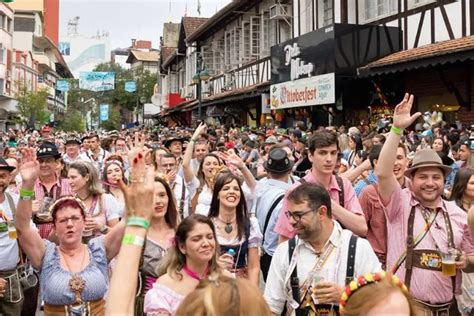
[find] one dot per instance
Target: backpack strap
(269, 214)
(340, 183)
(351, 259)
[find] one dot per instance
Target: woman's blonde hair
(174, 260)
(86, 168)
(221, 295)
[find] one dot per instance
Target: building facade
(434, 60)
(7, 108)
(233, 48)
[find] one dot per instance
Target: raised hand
(139, 195)
(29, 169)
(401, 116)
(199, 131)
(232, 158)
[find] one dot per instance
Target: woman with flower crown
(201, 184)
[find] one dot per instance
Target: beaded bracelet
(138, 222)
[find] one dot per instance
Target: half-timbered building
(434, 62)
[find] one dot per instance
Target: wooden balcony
(250, 74)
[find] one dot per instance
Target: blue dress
(54, 280)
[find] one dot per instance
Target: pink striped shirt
(426, 285)
(351, 203)
(62, 187)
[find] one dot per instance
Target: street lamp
(201, 75)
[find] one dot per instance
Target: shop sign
(304, 92)
(298, 67)
(266, 107)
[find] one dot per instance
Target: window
(218, 53)
(265, 34)
(255, 24)
(235, 45)
(377, 8)
(245, 44)
(2, 86)
(2, 54)
(208, 59)
(2, 21)
(327, 12)
(227, 49)
(307, 13)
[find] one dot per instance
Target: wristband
(25, 192)
(396, 130)
(130, 239)
(138, 222)
(192, 141)
(26, 198)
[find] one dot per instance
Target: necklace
(193, 274)
(83, 199)
(228, 225)
(76, 282)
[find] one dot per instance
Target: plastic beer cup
(12, 234)
(448, 263)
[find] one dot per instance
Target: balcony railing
(247, 75)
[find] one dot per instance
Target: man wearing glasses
(310, 271)
(322, 152)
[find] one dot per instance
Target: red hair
(67, 201)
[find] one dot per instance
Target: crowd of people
(237, 221)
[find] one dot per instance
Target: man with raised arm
(421, 224)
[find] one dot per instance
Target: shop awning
(238, 94)
(456, 50)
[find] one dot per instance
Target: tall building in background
(83, 53)
(50, 10)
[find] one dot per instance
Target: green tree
(113, 123)
(73, 121)
(32, 105)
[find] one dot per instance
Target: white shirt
(9, 253)
(81, 157)
(178, 193)
(278, 290)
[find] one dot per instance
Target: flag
(199, 7)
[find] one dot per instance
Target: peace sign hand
(401, 115)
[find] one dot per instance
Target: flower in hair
(362, 281)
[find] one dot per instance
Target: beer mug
(448, 262)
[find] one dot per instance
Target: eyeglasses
(74, 219)
(296, 215)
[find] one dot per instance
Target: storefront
(309, 72)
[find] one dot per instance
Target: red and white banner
(303, 92)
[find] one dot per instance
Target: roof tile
(191, 24)
(426, 51)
